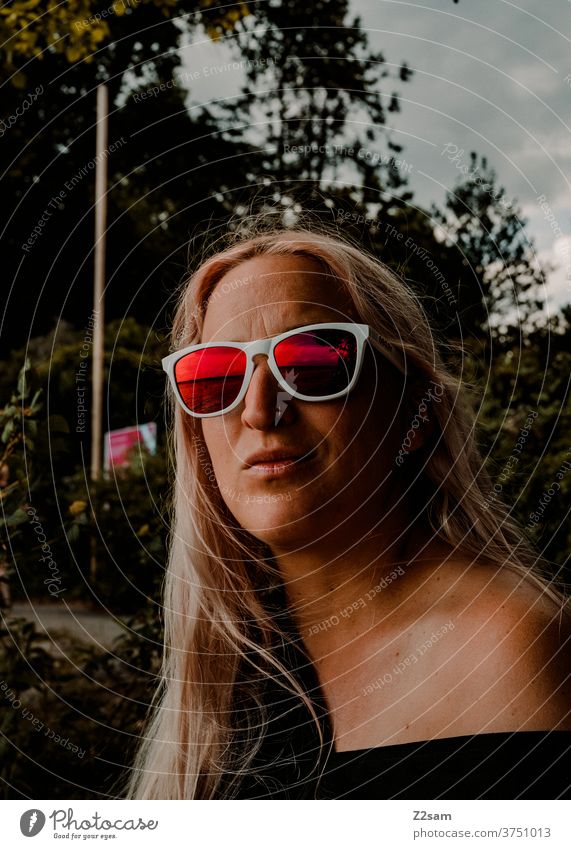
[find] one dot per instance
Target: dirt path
(84, 625)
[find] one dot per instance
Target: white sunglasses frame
(362, 332)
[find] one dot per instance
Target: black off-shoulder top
(512, 765)
(291, 764)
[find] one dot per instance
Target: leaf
(72, 54)
(99, 33)
(19, 80)
(73, 533)
(18, 517)
(22, 391)
(57, 424)
(8, 430)
(77, 507)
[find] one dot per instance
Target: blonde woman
(344, 616)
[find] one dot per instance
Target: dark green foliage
(71, 715)
(497, 275)
(124, 512)
(530, 383)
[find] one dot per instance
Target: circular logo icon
(32, 822)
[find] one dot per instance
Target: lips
(277, 456)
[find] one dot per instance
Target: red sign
(118, 443)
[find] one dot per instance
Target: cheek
(218, 443)
(366, 441)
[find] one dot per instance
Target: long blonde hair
(220, 634)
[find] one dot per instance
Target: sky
(489, 75)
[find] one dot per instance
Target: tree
(81, 29)
(524, 421)
(500, 276)
(313, 99)
(156, 158)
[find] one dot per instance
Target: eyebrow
(279, 332)
(294, 326)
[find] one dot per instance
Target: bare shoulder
(507, 602)
(514, 641)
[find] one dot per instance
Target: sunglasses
(316, 362)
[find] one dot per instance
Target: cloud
(558, 287)
(490, 76)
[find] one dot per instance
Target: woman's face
(347, 447)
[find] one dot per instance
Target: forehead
(267, 295)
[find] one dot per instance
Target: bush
(70, 722)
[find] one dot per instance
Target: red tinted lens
(210, 379)
(318, 362)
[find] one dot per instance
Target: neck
(338, 589)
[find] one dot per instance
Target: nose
(264, 406)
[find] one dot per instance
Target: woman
(343, 614)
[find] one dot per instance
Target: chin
(282, 529)
(266, 524)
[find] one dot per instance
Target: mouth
(275, 464)
(277, 467)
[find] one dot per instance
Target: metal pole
(99, 282)
(98, 301)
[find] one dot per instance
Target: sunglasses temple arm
(396, 357)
